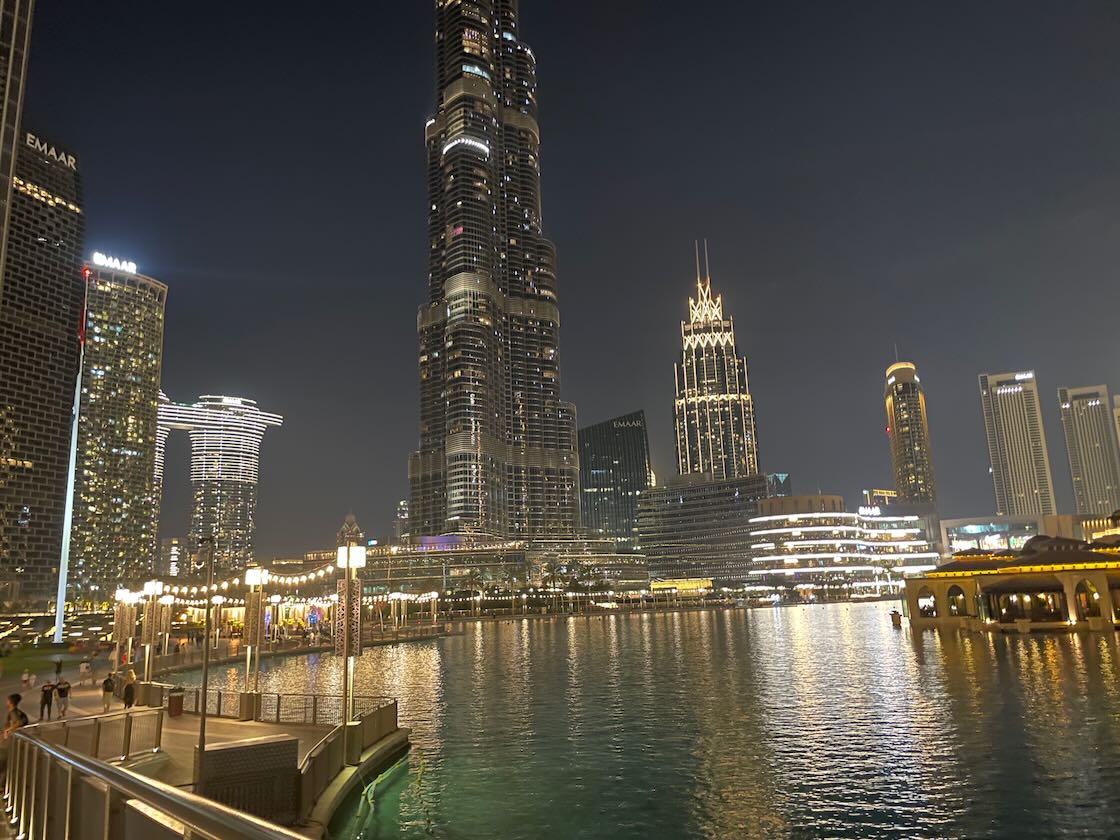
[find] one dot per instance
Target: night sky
(945, 177)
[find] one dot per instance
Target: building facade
(174, 559)
(614, 471)
(1020, 463)
(713, 411)
(40, 343)
(400, 523)
(694, 527)
(1092, 447)
(113, 536)
(779, 484)
(15, 43)
(497, 453)
(810, 548)
(908, 434)
(226, 434)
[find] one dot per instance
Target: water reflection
(819, 721)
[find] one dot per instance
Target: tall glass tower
(113, 535)
(226, 434)
(497, 452)
(614, 471)
(908, 434)
(1020, 463)
(713, 410)
(1092, 448)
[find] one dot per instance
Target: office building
(174, 559)
(1020, 464)
(614, 471)
(713, 410)
(113, 536)
(779, 484)
(1092, 447)
(908, 434)
(697, 527)
(400, 523)
(40, 334)
(226, 434)
(811, 548)
(497, 453)
(15, 43)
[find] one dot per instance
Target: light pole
(124, 624)
(351, 555)
(152, 588)
(255, 578)
(274, 630)
(206, 548)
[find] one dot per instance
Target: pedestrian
(129, 689)
(57, 668)
(46, 699)
(107, 687)
(85, 672)
(34, 678)
(25, 679)
(16, 716)
(63, 691)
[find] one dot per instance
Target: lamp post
(152, 588)
(255, 578)
(124, 624)
(206, 549)
(351, 555)
(274, 628)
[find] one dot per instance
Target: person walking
(46, 699)
(129, 689)
(63, 691)
(16, 716)
(25, 678)
(58, 668)
(107, 688)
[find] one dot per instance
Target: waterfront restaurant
(1054, 583)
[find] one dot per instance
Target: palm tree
(476, 578)
(554, 579)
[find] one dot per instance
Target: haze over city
(865, 177)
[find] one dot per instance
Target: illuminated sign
(870, 510)
(103, 261)
(627, 424)
(1028, 374)
(67, 160)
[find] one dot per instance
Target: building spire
(707, 266)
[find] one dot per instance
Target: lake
(813, 721)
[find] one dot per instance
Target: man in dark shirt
(46, 698)
(63, 691)
(16, 717)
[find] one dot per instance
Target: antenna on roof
(707, 266)
(696, 245)
(896, 351)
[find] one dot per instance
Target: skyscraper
(1092, 448)
(908, 434)
(1020, 464)
(713, 411)
(497, 444)
(15, 43)
(113, 536)
(614, 470)
(226, 434)
(40, 325)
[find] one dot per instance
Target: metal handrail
(197, 813)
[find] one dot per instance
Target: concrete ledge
(374, 760)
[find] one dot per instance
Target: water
(818, 721)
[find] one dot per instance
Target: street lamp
(255, 578)
(124, 623)
(351, 555)
(152, 588)
(274, 627)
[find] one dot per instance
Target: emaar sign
(103, 261)
(44, 148)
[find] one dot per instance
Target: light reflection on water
(816, 721)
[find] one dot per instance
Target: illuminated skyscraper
(713, 410)
(226, 434)
(908, 434)
(614, 470)
(1092, 448)
(497, 444)
(1020, 464)
(15, 42)
(113, 536)
(40, 343)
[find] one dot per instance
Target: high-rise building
(497, 444)
(713, 411)
(908, 434)
(694, 527)
(40, 334)
(15, 43)
(174, 559)
(779, 484)
(1092, 447)
(226, 434)
(400, 525)
(1020, 463)
(614, 470)
(113, 536)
